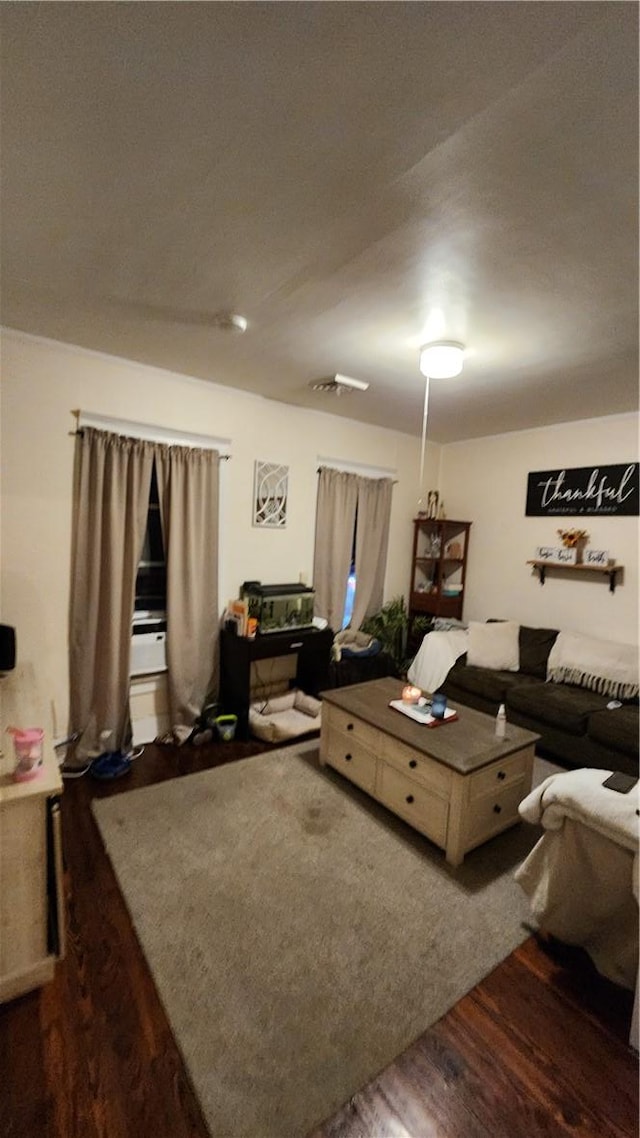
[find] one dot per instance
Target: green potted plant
(390, 626)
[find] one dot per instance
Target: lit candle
(411, 694)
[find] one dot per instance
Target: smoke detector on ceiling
(230, 322)
(339, 384)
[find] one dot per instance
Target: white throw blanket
(581, 877)
(602, 665)
(580, 795)
(436, 656)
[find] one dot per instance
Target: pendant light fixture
(442, 359)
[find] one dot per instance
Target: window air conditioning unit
(149, 645)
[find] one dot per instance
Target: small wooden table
(456, 783)
(31, 901)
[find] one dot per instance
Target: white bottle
(501, 722)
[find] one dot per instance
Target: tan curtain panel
(188, 483)
(111, 496)
(372, 544)
(335, 522)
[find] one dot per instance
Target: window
(151, 579)
(351, 581)
(351, 592)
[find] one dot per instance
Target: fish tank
(279, 608)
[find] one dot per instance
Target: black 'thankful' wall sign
(584, 490)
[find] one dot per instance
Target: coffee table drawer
(351, 726)
(413, 802)
(351, 759)
(410, 762)
(494, 812)
(499, 775)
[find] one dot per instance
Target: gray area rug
(300, 936)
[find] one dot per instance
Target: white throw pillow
(494, 645)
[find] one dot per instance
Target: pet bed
(284, 717)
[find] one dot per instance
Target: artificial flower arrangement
(572, 537)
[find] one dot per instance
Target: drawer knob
(497, 810)
(348, 758)
(409, 798)
(413, 763)
(501, 776)
(349, 726)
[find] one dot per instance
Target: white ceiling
(355, 178)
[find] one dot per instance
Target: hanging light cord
(424, 430)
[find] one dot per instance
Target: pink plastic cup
(27, 745)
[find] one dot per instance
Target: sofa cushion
(535, 646)
(488, 684)
(558, 705)
(616, 728)
(494, 645)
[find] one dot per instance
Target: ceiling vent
(339, 384)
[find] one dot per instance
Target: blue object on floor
(113, 764)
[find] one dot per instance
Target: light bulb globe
(442, 360)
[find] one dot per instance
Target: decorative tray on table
(420, 712)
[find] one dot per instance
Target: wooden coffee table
(457, 784)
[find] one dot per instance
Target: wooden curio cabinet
(438, 568)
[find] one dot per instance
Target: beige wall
(42, 382)
(485, 481)
(482, 480)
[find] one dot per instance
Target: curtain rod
(394, 481)
(222, 457)
(152, 432)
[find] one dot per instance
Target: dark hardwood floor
(538, 1048)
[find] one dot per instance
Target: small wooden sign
(546, 553)
(596, 557)
(566, 556)
(556, 555)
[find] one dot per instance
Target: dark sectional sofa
(576, 729)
